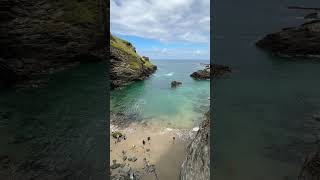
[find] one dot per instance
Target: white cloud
(164, 50)
(173, 20)
(197, 52)
(176, 53)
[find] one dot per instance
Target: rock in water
(201, 74)
(298, 41)
(197, 162)
(217, 71)
(175, 84)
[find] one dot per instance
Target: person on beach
(143, 142)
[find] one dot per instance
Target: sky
(174, 29)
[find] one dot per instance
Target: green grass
(135, 60)
(146, 63)
(123, 45)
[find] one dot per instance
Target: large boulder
(303, 41)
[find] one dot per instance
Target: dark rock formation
(197, 162)
(220, 70)
(303, 41)
(175, 84)
(311, 167)
(126, 65)
(146, 58)
(313, 15)
(40, 36)
(201, 74)
(217, 71)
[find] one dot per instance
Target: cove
(263, 126)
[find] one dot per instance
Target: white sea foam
(169, 74)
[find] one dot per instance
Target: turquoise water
(263, 126)
(58, 131)
(154, 100)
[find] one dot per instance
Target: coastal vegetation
(126, 64)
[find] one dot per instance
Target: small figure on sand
(149, 138)
(174, 138)
(143, 142)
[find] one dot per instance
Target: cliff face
(39, 36)
(126, 65)
(303, 40)
(197, 162)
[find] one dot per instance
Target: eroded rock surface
(217, 71)
(41, 36)
(303, 41)
(197, 162)
(126, 65)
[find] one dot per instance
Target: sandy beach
(161, 156)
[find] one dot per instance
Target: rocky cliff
(125, 63)
(303, 40)
(197, 162)
(40, 36)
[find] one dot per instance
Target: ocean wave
(183, 134)
(169, 74)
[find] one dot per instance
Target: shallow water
(154, 100)
(263, 124)
(58, 131)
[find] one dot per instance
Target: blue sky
(175, 29)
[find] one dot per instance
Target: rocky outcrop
(174, 84)
(201, 74)
(302, 41)
(217, 71)
(41, 36)
(126, 65)
(197, 162)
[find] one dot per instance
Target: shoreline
(162, 153)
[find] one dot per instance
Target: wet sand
(162, 151)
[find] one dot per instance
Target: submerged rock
(175, 84)
(298, 41)
(197, 162)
